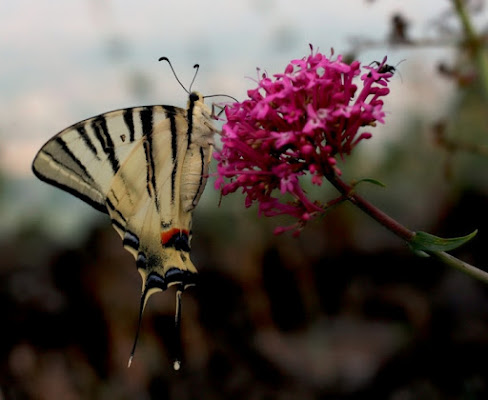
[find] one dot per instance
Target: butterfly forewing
(84, 157)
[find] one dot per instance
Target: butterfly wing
(84, 158)
(146, 167)
(123, 163)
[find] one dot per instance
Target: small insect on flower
(384, 68)
(297, 124)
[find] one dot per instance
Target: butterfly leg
(214, 115)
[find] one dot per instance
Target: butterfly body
(146, 167)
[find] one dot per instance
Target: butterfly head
(196, 104)
(195, 97)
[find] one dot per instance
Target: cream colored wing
(84, 158)
(146, 167)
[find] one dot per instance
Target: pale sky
(63, 61)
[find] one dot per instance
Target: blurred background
(345, 311)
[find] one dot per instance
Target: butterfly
(146, 167)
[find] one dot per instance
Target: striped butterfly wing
(146, 167)
(109, 160)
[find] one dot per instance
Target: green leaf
(369, 180)
(423, 242)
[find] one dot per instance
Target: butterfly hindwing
(144, 197)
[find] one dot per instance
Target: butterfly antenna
(197, 67)
(174, 73)
(177, 362)
(221, 95)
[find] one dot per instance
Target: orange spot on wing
(166, 236)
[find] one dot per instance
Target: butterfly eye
(194, 97)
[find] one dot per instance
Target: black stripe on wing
(98, 206)
(99, 126)
(64, 147)
(174, 149)
(146, 115)
(117, 225)
(129, 122)
(80, 128)
(114, 210)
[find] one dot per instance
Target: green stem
(462, 266)
(474, 42)
(401, 231)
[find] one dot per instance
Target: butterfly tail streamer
(179, 349)
(141, 311)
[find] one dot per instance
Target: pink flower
(293, 125)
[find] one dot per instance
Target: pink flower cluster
(298, 123)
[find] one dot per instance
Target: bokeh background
(345, 311)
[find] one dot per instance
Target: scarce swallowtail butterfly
(146, 167)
